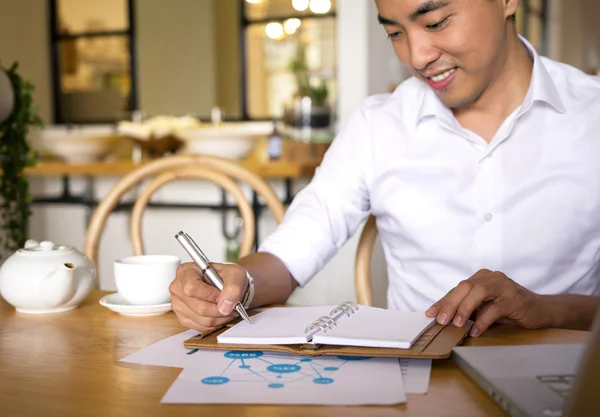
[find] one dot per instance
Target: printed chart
(254, 377)
(277, 371)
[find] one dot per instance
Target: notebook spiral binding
(327, 322)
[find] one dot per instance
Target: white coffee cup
(145, 279)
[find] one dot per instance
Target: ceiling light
(274, 30)
(300, 5)
(320, 6)
(291, 25)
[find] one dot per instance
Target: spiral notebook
(347, 324)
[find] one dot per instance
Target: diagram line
(230, 363)
(257, 374)
(315, 369)
(319, 364)
(261, 359)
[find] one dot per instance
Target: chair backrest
(362, 265)
(220, 171)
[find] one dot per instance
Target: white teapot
(46, 278)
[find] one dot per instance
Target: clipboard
(435, 343)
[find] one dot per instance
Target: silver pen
(203, 263)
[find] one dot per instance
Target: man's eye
(438, 25)
(393, 35)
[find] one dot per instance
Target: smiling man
(482, 171)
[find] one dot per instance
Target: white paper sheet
(415, 374)
(168, 352)
(244, 377)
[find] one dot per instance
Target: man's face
(456, 46)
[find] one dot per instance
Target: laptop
(552, 380)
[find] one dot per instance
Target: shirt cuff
(302, 259)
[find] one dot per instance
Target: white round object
(78, 144)
(145, 279)
(46, 278)
(232, 140)
(117, 303)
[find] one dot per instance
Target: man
(483, 171)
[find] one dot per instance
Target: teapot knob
(46, 245)
(30, 244)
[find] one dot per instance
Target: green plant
(15, 156)
(299, 67)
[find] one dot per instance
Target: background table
(67, 365)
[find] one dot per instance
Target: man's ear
(510, 7)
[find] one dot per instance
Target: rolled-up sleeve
(328, 211)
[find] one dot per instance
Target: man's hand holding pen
(201, 306)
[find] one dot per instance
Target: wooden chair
(217, 170)
(362, 264)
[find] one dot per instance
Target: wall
(227, 44)
(175, 52)
(578, 33)
(23, 38)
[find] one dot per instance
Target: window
(531, 23)
(93, 69)
(289, 49)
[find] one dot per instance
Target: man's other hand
(493, 297)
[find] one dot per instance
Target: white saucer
(115, 302)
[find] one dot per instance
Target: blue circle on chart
(331, 368)
(306, 360)
(323, 381)
(244, 366)
(354, 358)
(283, 368)
(275, 385)
(215, 380)
(242, 354)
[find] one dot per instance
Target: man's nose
(422, 52)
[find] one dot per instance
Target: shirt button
(488, 217)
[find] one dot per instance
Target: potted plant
(309, 107)
(15, 155)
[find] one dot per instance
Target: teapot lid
(46, 246)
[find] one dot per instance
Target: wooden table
(67, 365)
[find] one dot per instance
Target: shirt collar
(541, 88)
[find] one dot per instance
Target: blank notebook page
(375, 327)
(274, 326)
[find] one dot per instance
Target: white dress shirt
(448, 203)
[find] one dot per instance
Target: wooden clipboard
(436, 343)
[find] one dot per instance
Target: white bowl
(78, 143)
(232, 140)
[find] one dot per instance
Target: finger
(489, 315)
(189, 282)
(454, 297)
(200, 323)
(234, 285)
(198, 306)
(446, 307)
(480, 293)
